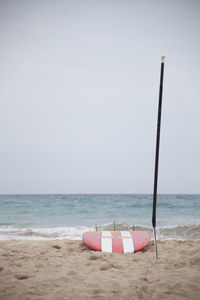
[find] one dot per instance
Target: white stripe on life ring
(106, 241)
(127, 241)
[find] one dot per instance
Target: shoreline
(181, 232)
(68, 269)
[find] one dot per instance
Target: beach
(67, 269)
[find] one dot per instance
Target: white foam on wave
(178, 232)
(72, 233)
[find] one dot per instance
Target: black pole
(157, 154)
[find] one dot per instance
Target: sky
(79, 86)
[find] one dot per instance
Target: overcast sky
(79, 84)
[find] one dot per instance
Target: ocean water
(40, 217)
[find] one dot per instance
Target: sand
(65, 269)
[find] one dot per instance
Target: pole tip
(163, 59)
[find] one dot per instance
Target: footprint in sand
(106, 267)
(94, 257)
(98, 291)
(56, 247)
(109, 266)
(15, 251)
(21, 277)
(71, 273)
(43, 252)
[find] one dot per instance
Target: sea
(64, 216)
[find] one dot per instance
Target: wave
(180, 232)
(177, 232)
(51, 233)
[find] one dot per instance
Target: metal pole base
(155, 243)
